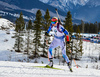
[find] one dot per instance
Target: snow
(44, 1)
(18, 69)
(13, 64)
(6, 24)
(64, 2)
(3, 13)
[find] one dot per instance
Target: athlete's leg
(63, 47)
(53, 45)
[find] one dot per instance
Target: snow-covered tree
(28, 40)
(19, 27)
(37, 32)
(46, 24)
(78, 48)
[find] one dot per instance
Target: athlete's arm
(49, 29)
(64, 30)
(67, 34)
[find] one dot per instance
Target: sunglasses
(53, 22)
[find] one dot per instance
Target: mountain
(88, 14)
(65, 5)
(87, 10)
(11, 9)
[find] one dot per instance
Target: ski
(53, 67)
(48, 67)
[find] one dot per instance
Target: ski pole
(75, 63)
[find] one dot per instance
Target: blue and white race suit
(59, 34)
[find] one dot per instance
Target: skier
(59, 35)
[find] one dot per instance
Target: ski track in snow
(18, 69)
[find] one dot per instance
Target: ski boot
(50, 64)
(69, 66)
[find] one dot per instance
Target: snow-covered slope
(18, 69)
(6, 24)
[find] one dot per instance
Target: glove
(46, 34)
(68, 42)
(67, 38)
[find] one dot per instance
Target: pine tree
(46, 25)
(68, 26)
(68, 23)
(78, 44)
(81, 47)
(20, 23)
(78, 48)
(19, 27)
(78, 32)
(99, 27)
(29, 27)
(82, 26)
(47, 20)
(96, 27)
(37, 32)
(74, 27)
(86, 28)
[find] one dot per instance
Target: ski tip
(71, 70)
